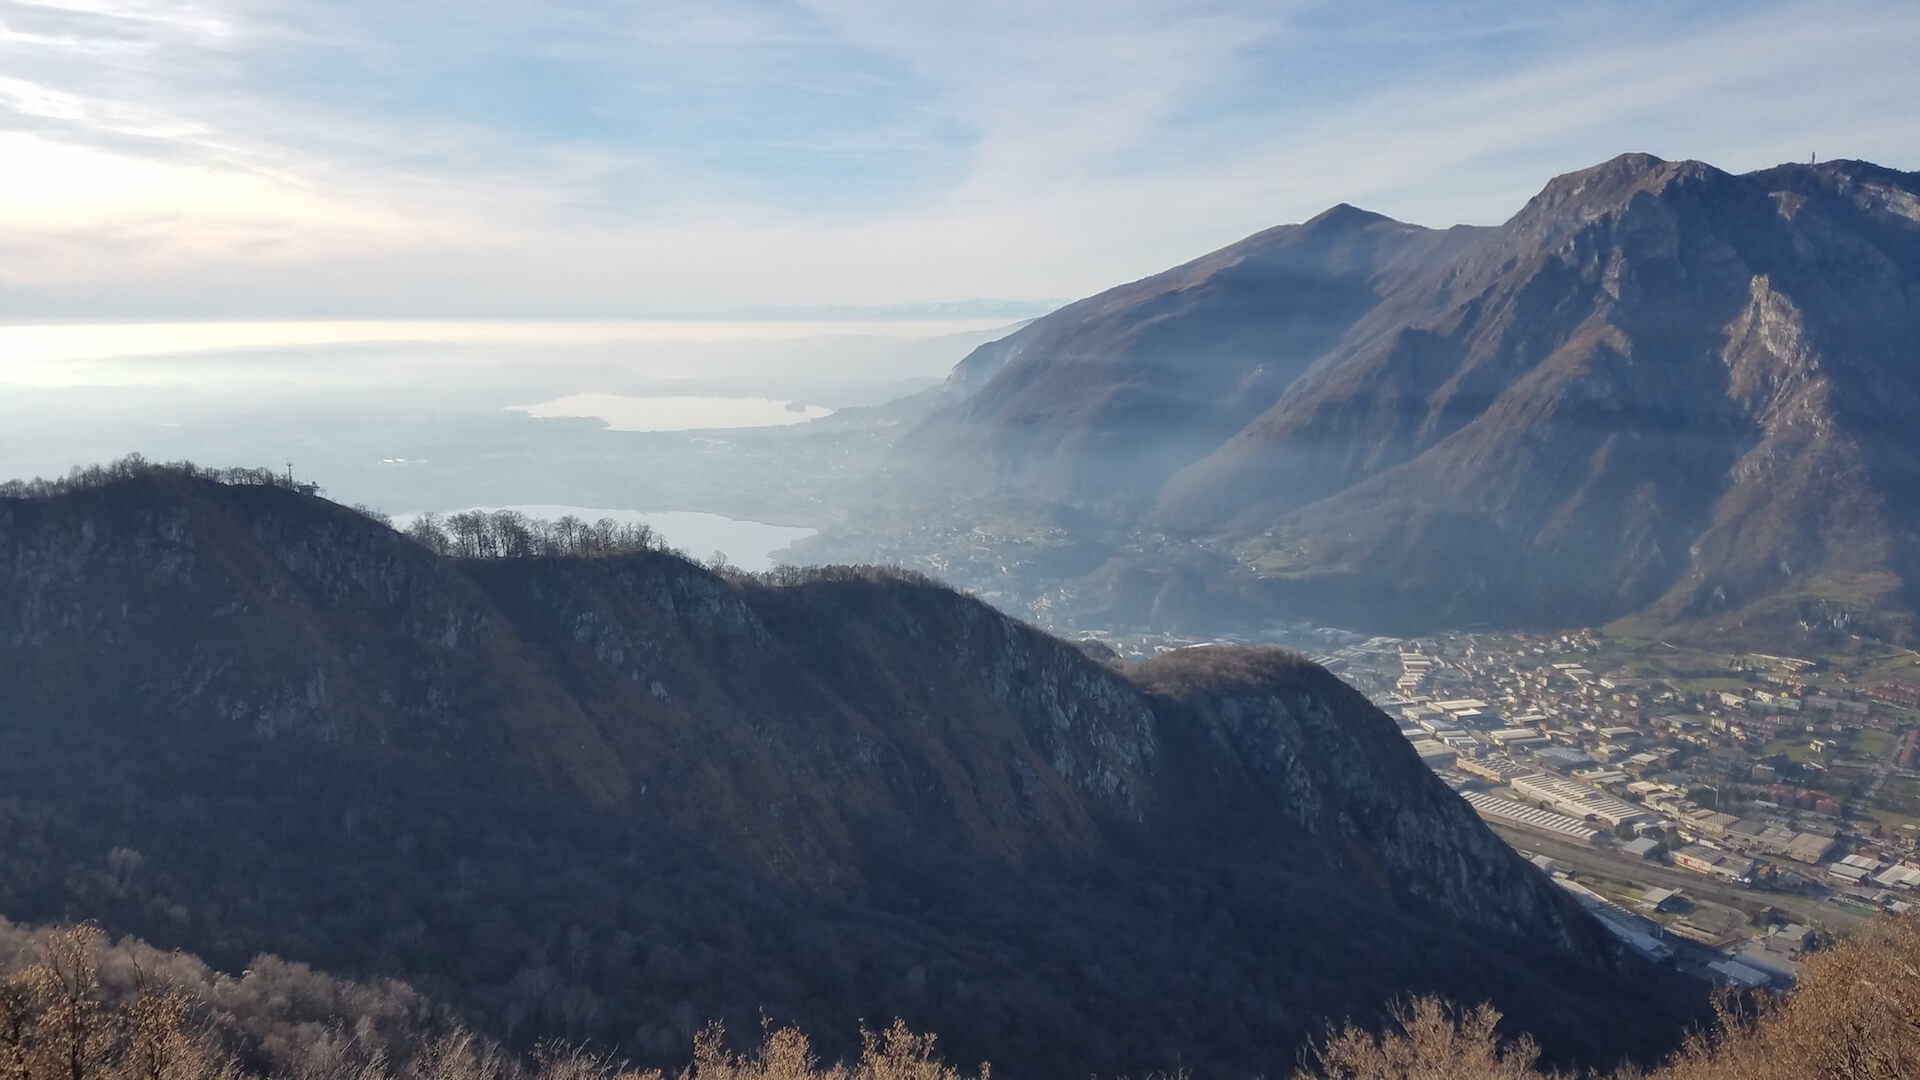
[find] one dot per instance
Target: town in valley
(1724, 812)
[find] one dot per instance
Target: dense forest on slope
(611, 797)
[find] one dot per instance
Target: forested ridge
(472, 534)
(611, 797)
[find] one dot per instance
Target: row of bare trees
(474, 534)
(470, 534)
(58, 1023)
(61, 1020)
(1856, 1016)
(509, 534)
(85, 477)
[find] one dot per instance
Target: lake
(750, 545)
(403, 415)
(630, 412)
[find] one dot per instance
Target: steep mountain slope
(611, 797)
(1104, 399)
(1659, 387)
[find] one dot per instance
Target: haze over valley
(1205, 451)
(1659, 390)
(413, 418)
(829, 540)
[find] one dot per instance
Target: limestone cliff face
(1312, 751)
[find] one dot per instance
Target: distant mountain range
(1659, 389)
(612, 797)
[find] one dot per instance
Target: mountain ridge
(791, 793)
(1659, 388)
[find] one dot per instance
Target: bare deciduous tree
(122, 862)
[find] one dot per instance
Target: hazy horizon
(62, 352)
(413, 415)
(277, 160)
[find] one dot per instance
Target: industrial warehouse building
(1577, 800)
(1562, 759)
(1763, 837)
(1516, 815)
(1494, 768)
(1518, 737)
(1706, 860)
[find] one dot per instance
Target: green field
(1901, 794)
(1633, 632)
(1869, 742)
(1635, 638)
(1797, 750)
(1873, 742)
(1901, 665)
(1897, 806)
(1892, 821)
(1712, 684)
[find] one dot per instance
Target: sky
(696, 158)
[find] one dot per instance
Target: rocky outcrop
(1311, 750)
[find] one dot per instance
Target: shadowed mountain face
(1659, 387)
(612, 797)
(1104, 399)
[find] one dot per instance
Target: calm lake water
(427, 414)
(750, 545)
(626, 412)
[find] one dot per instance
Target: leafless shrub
(1429, 1040)
(1856, 1016)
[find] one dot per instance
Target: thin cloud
(583, 157)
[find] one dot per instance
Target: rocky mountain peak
(1345, 216)
(1617, 401)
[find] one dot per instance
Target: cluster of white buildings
(1864, 871)
(1518, 815)
(1578, 800)
(1765, 838)
(1466, 736)
(1555, 749)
